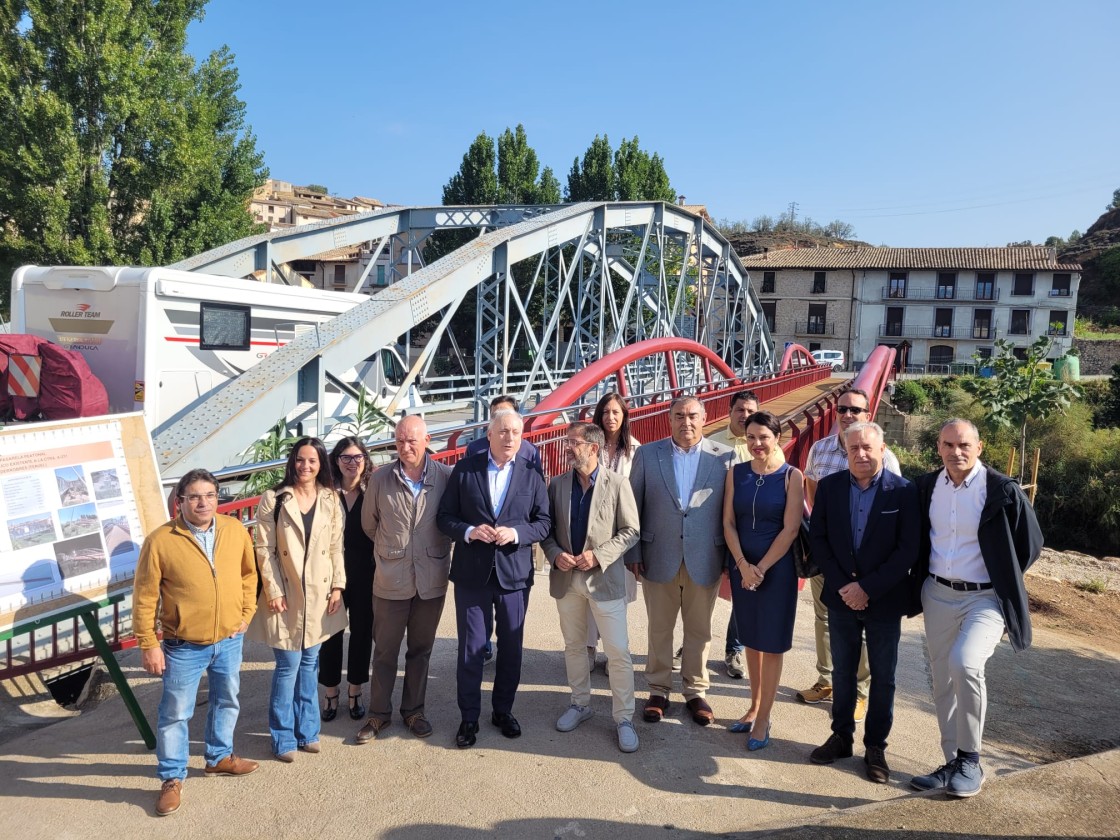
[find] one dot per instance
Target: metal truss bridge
(554, 288)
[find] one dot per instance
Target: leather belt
(962, 585)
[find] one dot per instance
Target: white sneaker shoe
(573, 717)
(627, 737)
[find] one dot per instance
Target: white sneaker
(627, 737)
(573, 717)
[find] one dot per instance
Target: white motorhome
(161, 339)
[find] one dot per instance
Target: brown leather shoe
(418, 725)
(231, 765)
(656, 707)
(371, 730)
(170, 796)
(701, 712)
(310, 747)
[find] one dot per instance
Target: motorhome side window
(223, 326)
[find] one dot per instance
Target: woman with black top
(350, 466)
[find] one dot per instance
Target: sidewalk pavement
(90, 773)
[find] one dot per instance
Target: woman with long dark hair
(351, 468)
(299, 555)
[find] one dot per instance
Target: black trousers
(358, 599)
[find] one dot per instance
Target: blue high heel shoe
(755, 744)
(740, 726)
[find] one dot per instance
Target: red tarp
(67, 389)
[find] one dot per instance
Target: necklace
(759, 482)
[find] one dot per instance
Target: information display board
(77, 498)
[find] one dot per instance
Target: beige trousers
(694, 604)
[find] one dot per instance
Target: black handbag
(802, 555)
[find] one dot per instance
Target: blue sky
(921, 124)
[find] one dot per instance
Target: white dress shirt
(954, 520)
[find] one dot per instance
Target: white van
(161, 340)
(830, 357)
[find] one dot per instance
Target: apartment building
(937, 306)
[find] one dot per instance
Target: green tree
(640, 176)
(1115, 204)
(548, 189)
(476, 182)
(1020, 389)
(592, 179)
(117, 147)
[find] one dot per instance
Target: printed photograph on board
(106, 484)
(118, 536)
(79, 520)
(72, 487)
(28, 531)
(80, 556)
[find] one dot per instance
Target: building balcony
(973, 333)
(825, 328)
(943, 294)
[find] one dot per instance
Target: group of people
(340, 544)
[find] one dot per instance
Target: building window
(946, 285)
(1020, 353)
(768, 282)
(380, 275)
(814, 346)
(1060, 286)
(818, 282)
(1059, 318)
(982, 324)
(818, 312)
(339, 276)
(1020, 322)
(986, 285)
(940, 354)
(1024, 285)
(770, 311)
(897, 288)
(943, 323)
(894, 320)
(984, 352)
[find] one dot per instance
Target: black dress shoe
(507, 723)
(357, 707)
(465, 737)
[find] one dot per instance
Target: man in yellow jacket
(199, 574)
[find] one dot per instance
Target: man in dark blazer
(864, 537)
(979, 535)
(495, 507)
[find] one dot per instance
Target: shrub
(909, 396)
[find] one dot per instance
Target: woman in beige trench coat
(299, 555)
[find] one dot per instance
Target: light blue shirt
(498, 478)
(415, 486)
(686, 463)
(205, 539)
(860, 501)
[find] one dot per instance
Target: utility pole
(792, 212)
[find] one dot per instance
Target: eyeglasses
(572, 443)
(351, 459)
(849, 409)
(195, 498)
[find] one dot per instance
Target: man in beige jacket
(410, 578)
(196, 580)
(594, 523)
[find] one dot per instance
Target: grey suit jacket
(612, 529)
(672, 535)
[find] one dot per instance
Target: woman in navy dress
(761, 518)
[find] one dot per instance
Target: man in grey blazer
(678, 488)
(594, 523)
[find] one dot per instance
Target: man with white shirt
(678, 486)
(979, 536)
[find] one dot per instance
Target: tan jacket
(413, 555)
(612, 529)
(196, 603)
(304, 576)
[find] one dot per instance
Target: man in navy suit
(504, 402)
(495, 507)
(864, 536)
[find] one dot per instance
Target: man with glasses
(826, 457)
(198, 572)
(594, 523)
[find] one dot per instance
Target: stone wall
(899, 429)
(1097, 356)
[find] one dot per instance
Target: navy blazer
(466, 503)
(527, 450)
(889, 551)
